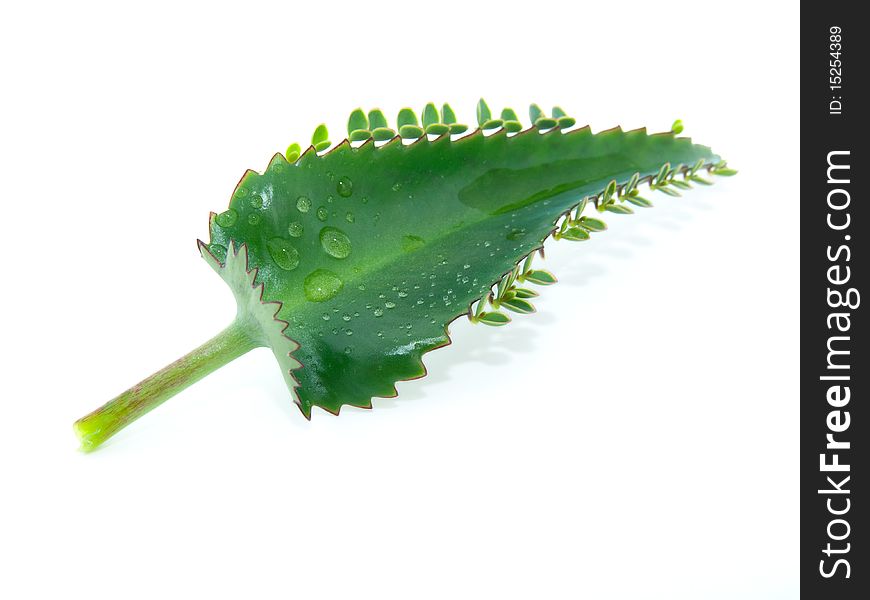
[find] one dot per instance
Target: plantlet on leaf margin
(350, 261)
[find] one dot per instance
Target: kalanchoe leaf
(620, 209)
(320, 135)
(632, 184)
(576, 234)
(540, 277)
(458, 128)
(447, 115)
(680, 184)
(699, 179)
(438, 129)
(724, 172)
(321, 146)
(406, 117)
(491, 124)
(558, 112)
(359, 135)
(518, 305)
(328, 255)
(483, 112)
(508, 114)
(593, 224)
(609, 191)
(494, 318)
(638, 201)
(410, 131)
(668, 191)
(513, 126)
(383, 133)
(565, 122)
(677, 127)
(377, 119)
(545, 123)
(430, 115)
(662, 175)
(293, 152)
(535, 113)
(356, 121)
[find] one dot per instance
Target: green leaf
(438, 129)
(540, 277)
(513, 126)
(677, 127)
(491, 124)
(546, 123)
(353, 263)
(508, 114)
(724, 172)
(535, 113)
(558, 112)
(483, 112)
(680, 184)
(620, 209)
(357, 120)
(668, 191)
(593, 224)
(406, 117)
(321, 146)
(320, 135)
(495, 318)
(638, 201)
(448, 117)
(293, 152)
(383, 133)
(526, 293)
(458, 128)
(575, 234)
(430, 115)
(699, 179)
(411, 131)
(377, 119)
(518, 305)
(566, 122)
(359, 135)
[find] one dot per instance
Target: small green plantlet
(350, 264)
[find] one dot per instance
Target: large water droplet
(321, 285)
(322, 213)
(283, 253)
(303, 204)
(335, 242)
(227, 218)
(295, 229)
(390, 304)
(344, 187)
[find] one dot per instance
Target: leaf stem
(148, 394)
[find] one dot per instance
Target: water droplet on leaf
(322, 213)
(321, 285)
(335, 242)
(344, 187)
(283, 253)
(295, 229)
(303, 204)
(227, 218)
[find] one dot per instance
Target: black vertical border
(822, 133)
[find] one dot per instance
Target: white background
(636, 438)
